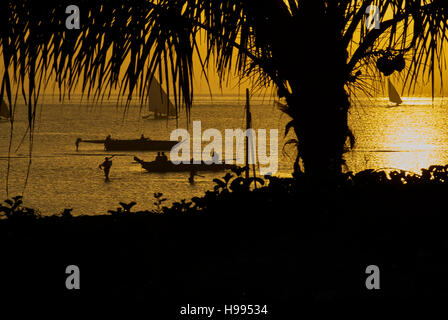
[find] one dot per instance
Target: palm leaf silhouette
(124, 45)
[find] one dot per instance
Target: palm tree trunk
(320, 124)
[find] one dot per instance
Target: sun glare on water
(411, 136)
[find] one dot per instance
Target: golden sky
(232, 87)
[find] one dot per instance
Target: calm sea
(411, 136)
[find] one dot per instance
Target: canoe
(168, 166)
(132, 145)
(138, 145)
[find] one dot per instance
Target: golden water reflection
(410, 137)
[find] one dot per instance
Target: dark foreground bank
(291, 245)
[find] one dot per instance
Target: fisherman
(106, 166)
(191, 177)
(163, 157)
(158, 157)
(193, 173)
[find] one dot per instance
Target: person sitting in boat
(158, 157)
(164, 157)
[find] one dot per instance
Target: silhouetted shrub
(13, 210)
(124, 210)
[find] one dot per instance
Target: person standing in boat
(106, 167)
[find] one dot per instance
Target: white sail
(4, 110)
(159, 102)
(393, 94)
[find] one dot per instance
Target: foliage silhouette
(13, 210)
(159, 201)
(289, 232)
(124, 210)
(236, 190)
(67, 213)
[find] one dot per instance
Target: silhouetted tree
(314, 52)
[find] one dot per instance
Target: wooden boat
(142, 144)
(139, 144)
(167, 166)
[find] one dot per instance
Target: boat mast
(248, 125)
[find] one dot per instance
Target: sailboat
(159, 103)
(393, 94)
(4, 112)
(142, 144)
